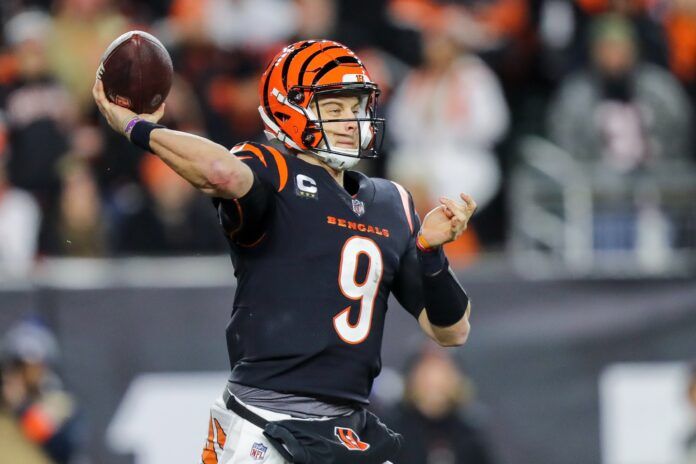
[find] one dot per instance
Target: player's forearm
(454, 335)
(205, 164)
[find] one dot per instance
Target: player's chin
(346, 145)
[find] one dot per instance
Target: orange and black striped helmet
(308, 69)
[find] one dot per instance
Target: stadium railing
(573, 218)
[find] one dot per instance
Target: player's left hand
(118, 116)
(448, 221)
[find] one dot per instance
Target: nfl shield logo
(258, 451)
(358, 207)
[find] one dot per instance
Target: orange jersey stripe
(258, 153)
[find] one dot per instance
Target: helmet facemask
(370, 129)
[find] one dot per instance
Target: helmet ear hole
(308, 137)
(296, 96)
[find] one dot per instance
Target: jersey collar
(366, 187)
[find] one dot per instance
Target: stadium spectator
(173, 217)
(240, 24)
(45, 412)
(117, 166)
(14, 446)
(482, 25)
(40, 115)
(80, 32)
(231, 101)
(152, 211)
(445, 120)
(20, 218)
(219, 78)
(433, 415)
(628, 123)
(79, 224)
(620, 110)
(315, 18)
(183, 108)
(650, 39)
(564, 31)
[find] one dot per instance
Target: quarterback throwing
(317, 248)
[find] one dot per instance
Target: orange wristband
(423, 244)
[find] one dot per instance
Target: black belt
(233, 404)
(301, 441)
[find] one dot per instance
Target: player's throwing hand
(118, 116)
(447, 222)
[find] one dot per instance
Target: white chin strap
(336, 161)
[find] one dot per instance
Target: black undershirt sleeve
(245, 219)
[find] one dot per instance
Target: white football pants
(233, 440)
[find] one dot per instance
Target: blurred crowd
(433, 403)
(612, 81)
(40, 422)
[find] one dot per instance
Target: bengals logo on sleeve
(350, 439)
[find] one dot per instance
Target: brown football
(136, 71)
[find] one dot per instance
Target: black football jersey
(315, 266)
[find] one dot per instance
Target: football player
(317, 249)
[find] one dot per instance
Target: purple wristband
(140, 133)
(129, 127)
